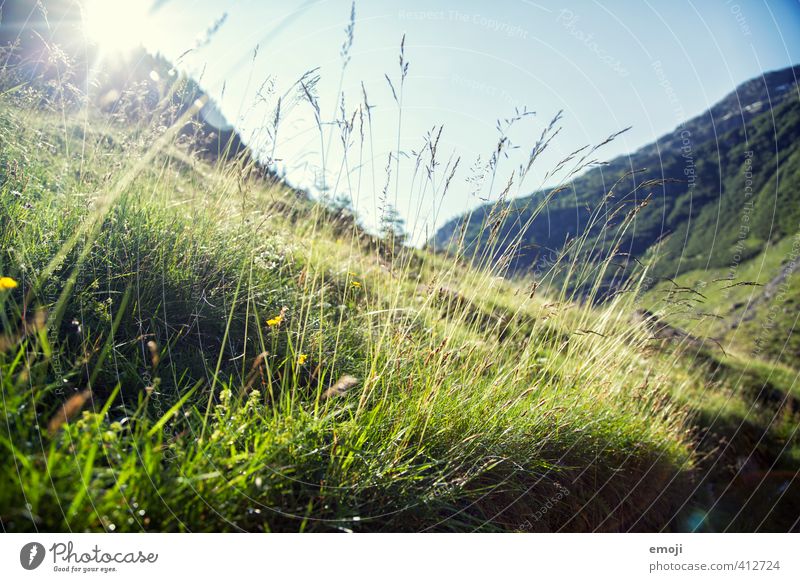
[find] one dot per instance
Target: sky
(608, 65)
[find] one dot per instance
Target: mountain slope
(705, 165)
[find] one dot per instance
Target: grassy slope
(751, 311)
(148, 278)
(703, 219)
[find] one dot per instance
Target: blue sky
(608, 65)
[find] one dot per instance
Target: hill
(710, 196)
(699, 205)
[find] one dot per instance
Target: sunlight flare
(116, 26)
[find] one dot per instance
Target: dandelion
(355, 285)
(7, 283)
(301, 359)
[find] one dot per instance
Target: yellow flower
(7, 283)
(301, 359)
(275, 320)
(356, 285)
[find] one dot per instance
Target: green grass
(748, 412)
(750, 311)
(147, 279)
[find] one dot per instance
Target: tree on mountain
(392, 228)
(342, 205)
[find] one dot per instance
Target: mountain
(45, 41)
(725, 188)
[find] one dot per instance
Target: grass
(725, 305)
(176, 354)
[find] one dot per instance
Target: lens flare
(116, 25)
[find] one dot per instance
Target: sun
(116, 25)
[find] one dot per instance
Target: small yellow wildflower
(7, 283)
(301, 359)
(356, 285)
(275, 321)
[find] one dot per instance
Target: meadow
(190, 344)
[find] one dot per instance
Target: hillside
(188, 345)
(699, 206)
(709, 197)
